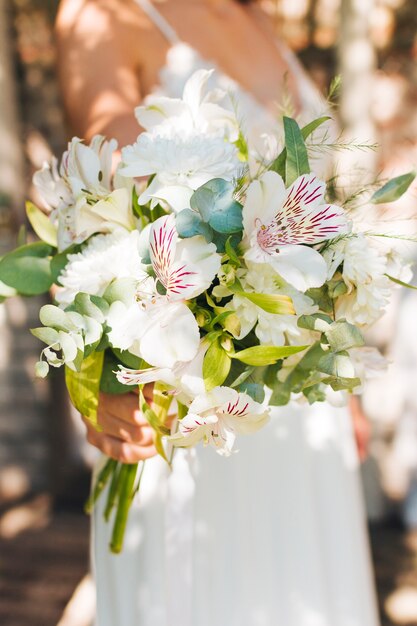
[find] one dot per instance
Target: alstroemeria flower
(216, 417)
(199, 109)
(161, 328)
(81, 197)
(185, 378)
(280, 224)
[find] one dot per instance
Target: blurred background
(43, 476)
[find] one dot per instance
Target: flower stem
(113, 492)
(100, 484)
(126, 489)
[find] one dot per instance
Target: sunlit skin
(110, 54)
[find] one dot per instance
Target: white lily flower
(280, 224)
(216, 417)
(161, 328)
(199, 109)
(181, 162)
(52, 188)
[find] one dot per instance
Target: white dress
(273, 536)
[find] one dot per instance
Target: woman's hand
(126, 435)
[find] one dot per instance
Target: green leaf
(216, 365)
(342, 336)
(84, 305)
(266, 355)
(123, 289)
(231, 253)
(6, 291)
(297, 158)
(318, 322)
(255, 390)
(190, 223)
(83, 386)
(271, 303)
(27, 269)
(342, 384)
(41, 224)
(338, 365)
(393, 189)
(49, 336)
(53, 316)
(397, 281)
(129, 360)
(279, 164)
(108, 380)
(216, 205)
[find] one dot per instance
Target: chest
(239, 43)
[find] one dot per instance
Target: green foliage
(297, 158)
(216, 365)
(41, 224)
(108, 380)
(343, 336)
(279, 164)
(27, 269)
(190, 223)
(83, 386)
(266, 355)
(394, 189)
(217, 207)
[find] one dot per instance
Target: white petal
(300, 266)
(171, 336)
(263, 198)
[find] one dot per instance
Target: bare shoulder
(97, 21)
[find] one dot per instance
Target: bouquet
(228, 280)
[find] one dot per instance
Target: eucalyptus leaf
(84, 305)
(394, 189)
(53, 316)
(266, 355)
(123, 289)
(317, 321)
(255, 390)
(50, 336)
(216, 205)
(41, 224)
(83, 386)
(27, 269)
(190, 223)
(343, 336)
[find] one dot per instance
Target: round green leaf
(27, 269)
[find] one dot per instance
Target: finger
(126, 431)
(113, 447)
(124, 407)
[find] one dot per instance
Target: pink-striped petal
(304, 218)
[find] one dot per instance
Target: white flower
(161, 328)
(104, 259)
(271, 329)
(185, 268)
(199, 109)
(181, 162)
(280, 224)
(364, 269)
(81, 196)
(52, 188)
(216, 417)
(186, 378)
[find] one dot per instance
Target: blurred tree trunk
(357, 64)
(11, 156)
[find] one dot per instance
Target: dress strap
(160, 22)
